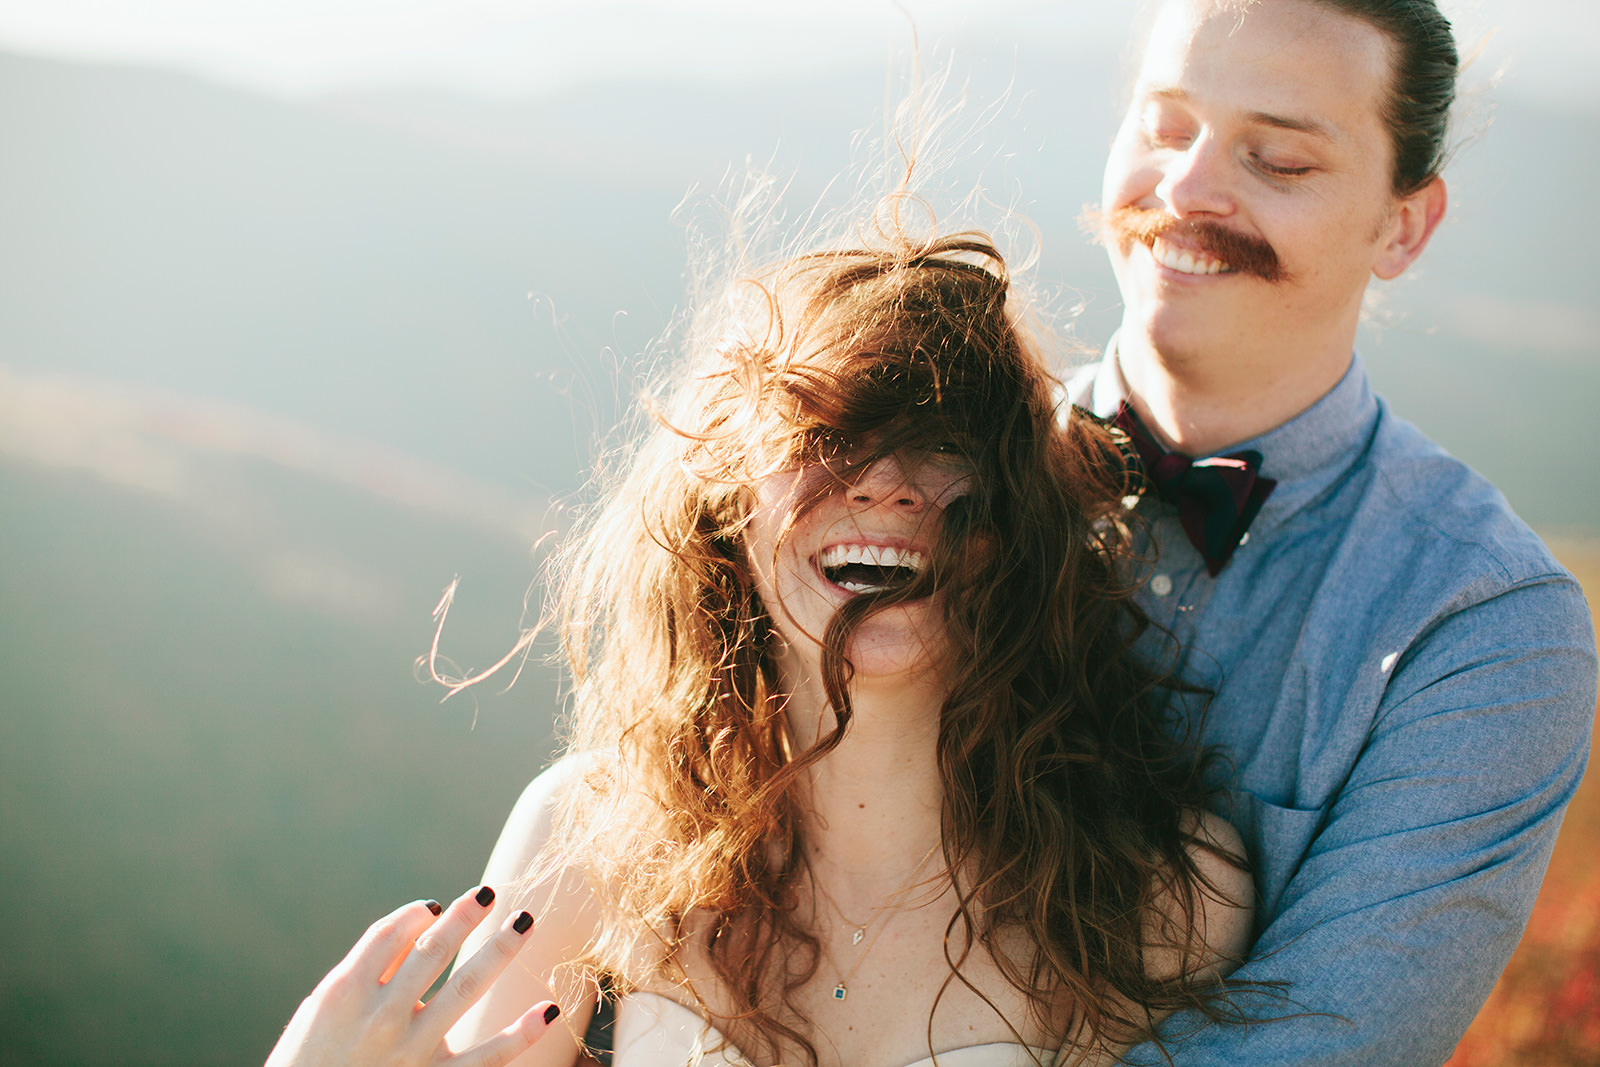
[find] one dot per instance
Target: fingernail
(485, 896)
(523, 922)
(551, 1012)
(434, 906)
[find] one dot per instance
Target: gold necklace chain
(860, 928)
(892, 905)
(891, 902)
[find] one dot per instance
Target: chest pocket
(1277, 839)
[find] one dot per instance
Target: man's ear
(1410, 225)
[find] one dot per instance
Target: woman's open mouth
(870, 568)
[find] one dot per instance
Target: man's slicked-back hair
(1422, 86)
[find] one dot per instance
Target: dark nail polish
(551, 1012)
(523, 922)
(485, 896)
(434, 906)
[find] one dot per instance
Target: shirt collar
(1306, 455)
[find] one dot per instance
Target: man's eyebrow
(1286, 122)
(1260, 118)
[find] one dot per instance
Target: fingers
(438, 945)
(473, 977)
(387, 942)
(434, 909)
(513, 1041)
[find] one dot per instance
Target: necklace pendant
(839, 992)
(855, 939)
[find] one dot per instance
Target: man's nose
(884, 482)
(1197, 181)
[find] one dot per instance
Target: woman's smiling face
(874, 531)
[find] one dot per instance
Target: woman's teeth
(869, 568)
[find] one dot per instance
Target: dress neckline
(698, 1029)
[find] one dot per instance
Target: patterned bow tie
(1216, 498)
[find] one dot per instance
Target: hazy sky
(1550, 48)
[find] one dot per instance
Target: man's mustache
(1243, 253)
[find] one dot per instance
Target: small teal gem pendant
(839, 992)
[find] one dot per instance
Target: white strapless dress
(656, 1031)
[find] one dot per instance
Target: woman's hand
(368, 1009)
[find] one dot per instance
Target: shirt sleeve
(1419, 881)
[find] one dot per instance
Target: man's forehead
(1252, 35)
(1169, 21)
(1174, 26)
(1183, 16)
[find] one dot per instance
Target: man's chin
(1177, 335)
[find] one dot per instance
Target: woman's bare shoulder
(565, 912)
(532, 821)
(1228, 903)
(1219, 921)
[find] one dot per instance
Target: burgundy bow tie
(1216, 498)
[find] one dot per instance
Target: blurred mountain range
(272, 372)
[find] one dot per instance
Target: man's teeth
(1185, 262)
(875, 555)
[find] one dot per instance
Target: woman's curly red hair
(1065, 791)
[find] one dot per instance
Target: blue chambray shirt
(1404, 687)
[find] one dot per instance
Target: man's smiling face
(1247, 197)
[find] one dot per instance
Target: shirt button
(1161, 585)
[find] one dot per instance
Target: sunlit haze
(503, 49)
